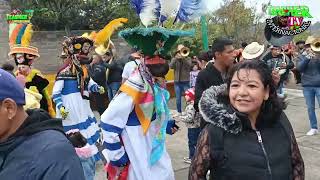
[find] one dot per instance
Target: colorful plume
(149, 12)
(168, 8)
(20, 34)
(187, 9)
(93, 35)
(11, 28)
(105, 34)
(26, 38)
(137, 5)
(14, 34)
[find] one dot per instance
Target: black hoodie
(39, 150)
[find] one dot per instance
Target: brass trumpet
(184, 51)
(315, 45)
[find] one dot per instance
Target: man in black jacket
(97, 72)
(212, 75)
(32, 145)
(114, 79)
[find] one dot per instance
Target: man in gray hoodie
(308, 64)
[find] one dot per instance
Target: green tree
(238, 22)
(76, 14)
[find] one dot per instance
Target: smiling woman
(248, 135)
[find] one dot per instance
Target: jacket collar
(215, 108)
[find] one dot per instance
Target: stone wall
(48, 43)
(4, 47)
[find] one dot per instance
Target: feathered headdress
(19, 39)
(104, 35)
(161, 10)
(188, 10)
(102, 38)
(153, 41)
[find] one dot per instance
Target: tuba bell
(315, 45)
(184, 51)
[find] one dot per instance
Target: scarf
(162, 97)
(149, 96)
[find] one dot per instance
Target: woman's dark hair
(77, 140)
(271, 108)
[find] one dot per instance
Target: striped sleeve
(93, 86)
(56, 93)
(113, 121)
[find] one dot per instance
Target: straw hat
(253, 50)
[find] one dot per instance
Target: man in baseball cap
(32, 145)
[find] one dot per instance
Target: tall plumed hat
(154, 39)
(19, 40)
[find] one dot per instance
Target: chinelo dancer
(24, 56)
(73, 85)
(71, 96)
(135, 124)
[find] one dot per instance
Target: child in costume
(135, 124)
(192, 121)
(24, 56)
(71, 96)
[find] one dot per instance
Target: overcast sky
(314, 5)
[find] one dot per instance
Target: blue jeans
(89, 167)
(310, 94)
(193, 134)
(113, 89)
(180, 88)
(280, 88)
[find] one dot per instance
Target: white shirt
(129, 68)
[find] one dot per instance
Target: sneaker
(187, 160)
(312, 132)
(280, 96)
